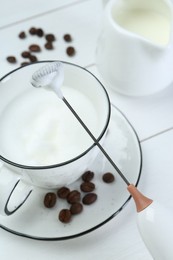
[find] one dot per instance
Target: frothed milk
(147, 23)
(38, 129)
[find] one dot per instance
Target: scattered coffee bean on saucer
(63, 192)
(108, 177)
(89, 198)
(65, 215)
(87, 176)
(87, 186)
(76, 208)
(50, 200)
(73, 197)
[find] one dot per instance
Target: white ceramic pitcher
(135, 49)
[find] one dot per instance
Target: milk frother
(153, 219)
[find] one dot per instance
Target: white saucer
(35, 221)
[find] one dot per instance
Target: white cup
(135, 47)
(25, 116)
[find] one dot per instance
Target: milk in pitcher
(147, 23)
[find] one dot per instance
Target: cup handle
(17, 197)
(14, 192)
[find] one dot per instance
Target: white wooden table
(152, 118)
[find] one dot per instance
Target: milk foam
(38, 129)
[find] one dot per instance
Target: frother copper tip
(141, 201)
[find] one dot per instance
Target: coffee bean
(33, 58)
(87, 186)
(70, 51)
(63, 192)
(48, 45)
(39, 32)
(87, 176)
(11, 59)
(50, 37)
(108, 177)
(65, 215)
(34, 48)
(22, 35)
(73, 197)
(24, 63)
(67, 37)
(89, 198)
(33, 31)
(50, 200)
(76, 208)
(25, 54)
